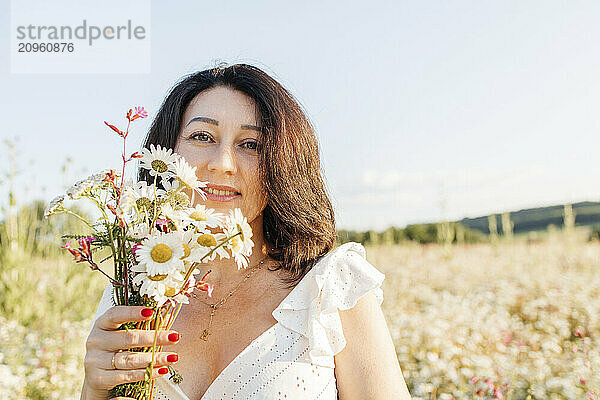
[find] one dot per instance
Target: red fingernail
(163, 370)
(147, 312)
(173, 337)
(172, 357)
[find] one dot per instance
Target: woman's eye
(200, 136)
(252, 145)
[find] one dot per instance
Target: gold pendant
(204, 335)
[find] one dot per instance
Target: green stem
(115, 261)
(79, 217)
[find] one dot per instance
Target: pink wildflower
(84, 244)
(140, 112)
(84, 252)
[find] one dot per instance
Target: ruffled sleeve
(106, 302)
(335, 283)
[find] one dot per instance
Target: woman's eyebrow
(215, 122)
(204, 119)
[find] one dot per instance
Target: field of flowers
(516, 320)
(513, 320)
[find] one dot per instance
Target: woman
(303, 321)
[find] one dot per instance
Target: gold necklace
(215, 306)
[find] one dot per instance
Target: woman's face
(220, 136)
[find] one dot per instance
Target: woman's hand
(106, 340)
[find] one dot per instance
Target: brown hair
(298, 221)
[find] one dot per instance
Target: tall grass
(46, 301)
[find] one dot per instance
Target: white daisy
(139, 195)
(241, 245)
(202, 217)
(234, 223)
(221, 251)
(163, 288)
(241, 260)
(186, 175)
(153, 287)
(203, 242)
(188, 240)
(161, 254)
(158, 160)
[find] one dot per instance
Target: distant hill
(474, 230)
(536, 219)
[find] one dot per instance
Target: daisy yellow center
(161, 253)
(198, 216)
(186, 251)
(206, 240)
(157, 278)
(159, 166)
(170, 291)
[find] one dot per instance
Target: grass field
(520, 313)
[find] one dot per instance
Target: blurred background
(458, 144)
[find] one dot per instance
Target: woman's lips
(217, 197)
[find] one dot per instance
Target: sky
(424, 110)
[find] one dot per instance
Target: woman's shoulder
(336, 282)
(345, 275)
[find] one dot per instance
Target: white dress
(294, 358)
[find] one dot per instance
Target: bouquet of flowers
(156, 236)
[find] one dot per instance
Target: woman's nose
(223, 160)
